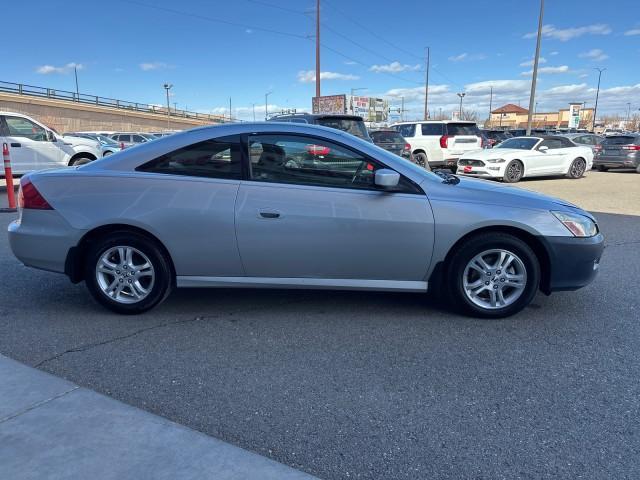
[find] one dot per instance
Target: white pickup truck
(33, 146)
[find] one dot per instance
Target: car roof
(317, 115)
(435, 121)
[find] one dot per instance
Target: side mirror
(543, 149)
(387, 178)
(51, 137)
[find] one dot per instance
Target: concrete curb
(51, 428)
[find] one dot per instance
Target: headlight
(496, 160)
(578, 225)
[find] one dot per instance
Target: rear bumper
(574, 261)
(619, 161)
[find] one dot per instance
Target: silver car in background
(296, 206)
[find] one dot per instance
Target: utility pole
(402, 110)
(426, 87)
(75, 70)
(628, 114)
(595, 108)
(266, 110)
(254, 111)
(490, 104)
(230, 116)
(317, 48)
(167, 87)
(461, 95)
(532, 97)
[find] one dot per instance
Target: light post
(253, 105)
(628, 114)
(167, 87)
(266, 110)
(595, 108)
(75, 71)
(461, 95)
(534, 77)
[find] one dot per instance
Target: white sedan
(521, 157)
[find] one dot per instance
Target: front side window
(21, 127)
(407, 130)
(552, 143)
(311, 161)
(215, 158)
(138, 139)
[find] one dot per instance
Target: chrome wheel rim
(577, 168)
(125, 274)
(494, 279)
(514, 172)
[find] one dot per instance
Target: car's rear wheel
(127, 272)
(421, 159)
(514, 172)
(493, 275)
(79, 161)
(601, 168)
(577, 168)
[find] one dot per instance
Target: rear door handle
(269, 214)
(16, 145)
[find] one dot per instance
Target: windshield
(354, 127)
(106, 140)
(521, 143)
(387, 137)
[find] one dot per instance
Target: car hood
(494, 153)
(479, 191)
(76, 141)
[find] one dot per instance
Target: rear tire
(492, 275)
(127, 273)
(601, 168)
(80, 161)
(577, 168)
(514, 172)
(421, 159)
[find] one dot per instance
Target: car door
(550, 161)
(30, 149)
(309, 209)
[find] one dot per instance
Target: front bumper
(574, 262)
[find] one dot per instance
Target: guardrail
(53, 93)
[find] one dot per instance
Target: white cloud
(505, 87)
(583, 75)
(633, 31)
(595, 54)
(394, 67)
(248, 30)
(153, 66)
(529, 63)
(549, 70)
(466, 56)
(349, 62)
(554, 53)
(308, 76)
(47, 69)
(415, 93)
(565, 34)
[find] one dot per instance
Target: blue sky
(213, 50)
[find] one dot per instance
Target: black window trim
(246, 172)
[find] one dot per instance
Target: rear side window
(387, 137)
(215, 158)
(618, 140)
(462, 129)
(433, 129)
(354, 127)
(407, 130)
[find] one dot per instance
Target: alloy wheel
(577, 168)
(125, 274)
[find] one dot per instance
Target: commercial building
(514, 116)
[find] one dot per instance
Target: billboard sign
(574, 115)
(330, 104)
(369, 108)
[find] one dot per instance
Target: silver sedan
(296, 206)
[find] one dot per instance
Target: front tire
(514, 172)
(577, 168)
(492, 275)
(127, 273)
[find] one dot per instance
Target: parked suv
(618, 151)
(440, 143)
(33, 146)
(352, 124)
(391, 140)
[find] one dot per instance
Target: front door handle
(16, 145)
(269, 214)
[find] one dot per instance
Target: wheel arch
(74, 263)
(82, 155)
(538, 247)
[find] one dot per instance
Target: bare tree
(469, 115)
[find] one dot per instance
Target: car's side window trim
(247, 163)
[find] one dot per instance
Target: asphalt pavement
(364, 385)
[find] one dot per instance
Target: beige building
(514, 116)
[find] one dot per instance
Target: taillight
(318, 149)
(444, 141)
(598, 148)
(631, 147)
(407, 146)
(30, 197)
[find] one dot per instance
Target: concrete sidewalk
(53, 429)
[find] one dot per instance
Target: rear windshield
(354, 127)
(462, 129)
(387, 137)
(619, 140)
(407, 130)
(522, 143)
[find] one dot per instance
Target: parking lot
(371, 385)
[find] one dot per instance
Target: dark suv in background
(391, 140)
(618, 151)
(352, 124)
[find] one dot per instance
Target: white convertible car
(521, 157)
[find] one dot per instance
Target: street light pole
(167, 87)
(254, 111)
(266, 111)
(532, 97)
(595, 108)
(461, 95)
(628, 114)
(75, 71)
(426, 86)
(490, 105)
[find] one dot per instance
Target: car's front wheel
(127, 272)
(493, 275)
(513, 172)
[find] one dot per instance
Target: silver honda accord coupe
(277, 205)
